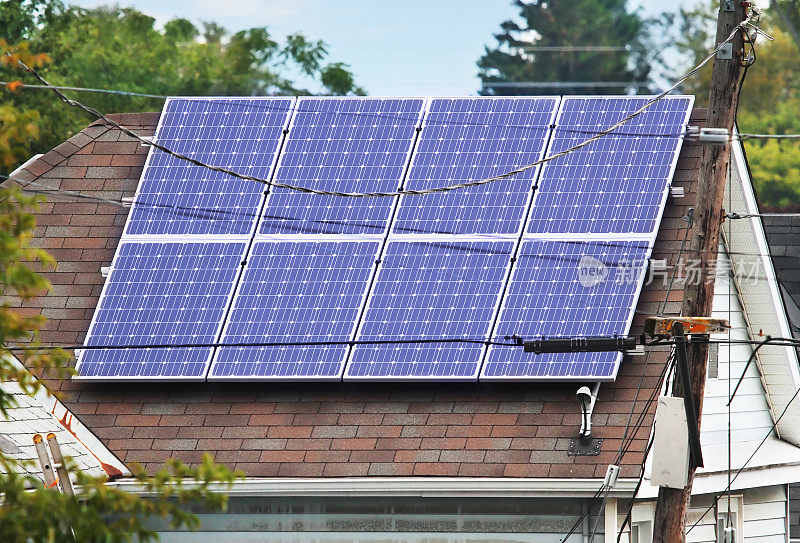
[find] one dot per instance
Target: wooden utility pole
(672, 504)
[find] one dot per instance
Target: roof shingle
(312, 429)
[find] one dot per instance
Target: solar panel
(468, 139)
(161, 293)
(330, 269)
(567, 289)
(296, 291)
(177, 198)
(618, 184)
(430, 290)
(345, 145)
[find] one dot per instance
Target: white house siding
(764, 516)
(750, 416)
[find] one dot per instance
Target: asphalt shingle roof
(314, 429)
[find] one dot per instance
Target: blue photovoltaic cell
(430, 290)
(617, 184)
(468, 139)
(567, 289)
(344, 145)
(239, 134)
(306, 291)
(161, 293)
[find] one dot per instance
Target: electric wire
(623, 447)
(138, 346)
(670, 361)
(663, 378)
(507, 341)
(197, 211)
(308, 190)
(752, 357)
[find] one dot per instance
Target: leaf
(15, 85)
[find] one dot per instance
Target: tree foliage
(122, 49)
(769, 102)
(98, 512)
(560, 23)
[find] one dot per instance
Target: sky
(394, 47)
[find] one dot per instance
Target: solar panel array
(553, 251)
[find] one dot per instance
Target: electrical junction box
(670, 444)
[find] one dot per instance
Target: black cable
(262, 344)
(506, 342)
(747, 366)
(627, 518)
(298, 109)
(627, 440)
(196, 211)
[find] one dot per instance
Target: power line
(448, 188)
(428, 120)
(561, 84)
(623, 448)
(196, 211)
(582, 48)
(83, 89)
(140, 346)
(507, 341)
(685, 135)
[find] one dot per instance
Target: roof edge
(109, 463)
(422, 487)
(781, 374)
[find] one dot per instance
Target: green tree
(571, 30)
(788, 14)
(98, 512)
(121, 48)
(769, 102)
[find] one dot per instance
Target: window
(641, 532)
(735, 522)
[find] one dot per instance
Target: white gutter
(421, 487)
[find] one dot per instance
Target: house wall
(750, 416)
(763, 518)
(762, 510)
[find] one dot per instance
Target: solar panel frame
(260, 241)
(647, 248)
(264, 228)
(426, 128)
(105, 294)
(152, 152)
(579, 137)
(471, 241)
